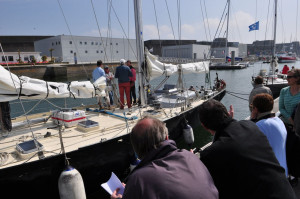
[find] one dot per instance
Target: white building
(191, 51)
(220, 52)
(13, 57)
(85, 49)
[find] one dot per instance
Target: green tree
(44, 58)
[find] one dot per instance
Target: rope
(238, 97)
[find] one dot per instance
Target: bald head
(147, 135)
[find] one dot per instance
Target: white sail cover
(157, 68)
(13, 87)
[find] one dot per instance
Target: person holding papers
(164, 171)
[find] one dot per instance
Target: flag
(254, 26)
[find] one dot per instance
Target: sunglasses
(291, 76)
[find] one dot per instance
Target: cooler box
(68, 117)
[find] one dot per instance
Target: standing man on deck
(258, 88)
(132, 82)
(97, 73)
(240, 159)
(123, 73)
(164, 172)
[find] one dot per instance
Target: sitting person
(240, 159)
(271, 126)
(164, 171)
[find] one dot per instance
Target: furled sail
(13, 87)
(158, 68)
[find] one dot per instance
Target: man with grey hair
(164, 171)
(258, 88)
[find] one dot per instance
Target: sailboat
(274, 80)
(228, 65)
(35, 149)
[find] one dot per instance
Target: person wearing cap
(132, 82)
(109, 76)
(123, 73)
(97, 73)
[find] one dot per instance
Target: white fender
(188, 134)
(70, 184)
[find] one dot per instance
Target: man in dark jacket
(123, 73)
(240, 159)
(165, 171)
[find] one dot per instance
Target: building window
(92, 43)
(80, 42)
(10, 58)
(101, 51)
(59, 43)
(3, 58)
(85, 43)
(116, 44)
(70, 42)
(52, 44)
(97, 51)
(25, 58)
(96, 43)
(110, 43)
(117, 51)
(86, 51)
(71, 51)
(55, 43)
(100, 43)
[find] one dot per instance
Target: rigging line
(255, 17)
(23, 108)
(207, 20)
(218, 28)
(237, 25)
(75, 43)
(123, 30)
(203, 20)
(101, 38)
(283, 32)
(128, 31)
(109, 31)
(32, 108)
(266, 26)
(297, 25)
(171, 22)
(238, 97)
(157, 23)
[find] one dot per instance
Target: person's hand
(115, 194)
(231, 111)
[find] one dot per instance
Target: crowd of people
(247, 158)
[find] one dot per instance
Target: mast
(140, 49)
(273, 62)
(226, 42)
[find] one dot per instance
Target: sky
(179, 19)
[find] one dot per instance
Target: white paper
(112, 184)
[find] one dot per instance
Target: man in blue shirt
(271, 126)
(97, 73)
(123, 73)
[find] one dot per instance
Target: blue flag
(254, 26)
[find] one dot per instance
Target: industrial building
(191, 51)
(86, 49)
